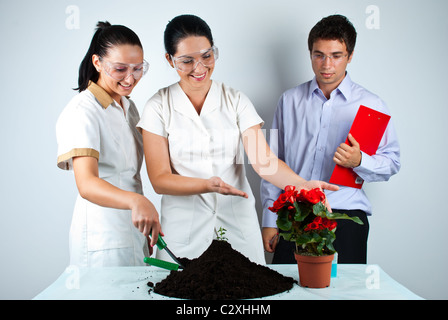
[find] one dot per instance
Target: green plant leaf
(304, 239)
(336, 215)
(329, 238)
(329, 245)
(282, 220)
(286, 235)
(320, 247)
(320, 210)
(301, 212)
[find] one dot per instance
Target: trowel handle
(161, 264)
(160, 243)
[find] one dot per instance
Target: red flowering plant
(304, 219)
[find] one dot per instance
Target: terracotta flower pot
(314, 271)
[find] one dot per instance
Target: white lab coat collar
(182, 103)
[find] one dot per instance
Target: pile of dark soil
(222, 273)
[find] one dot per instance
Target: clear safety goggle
(121, 71)
(335, 57)
(188, 62)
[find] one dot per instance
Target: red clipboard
(368, 128)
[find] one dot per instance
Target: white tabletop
(353, 282)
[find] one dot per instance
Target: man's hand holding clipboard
(365, 135)
(348, 155)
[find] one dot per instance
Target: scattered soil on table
(222, 273)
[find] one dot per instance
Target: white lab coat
(203, 146)
(93, 124)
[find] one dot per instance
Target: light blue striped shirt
(307, 129)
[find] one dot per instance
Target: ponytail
(105, 37)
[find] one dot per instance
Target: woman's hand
(321, 185)
(146, 219)
(312, 184)
(215, 184)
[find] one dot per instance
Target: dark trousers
(350, 243)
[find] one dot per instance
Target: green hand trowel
(162, 245)
(161, 264)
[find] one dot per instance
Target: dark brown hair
(184, 26)
(105, 37)
(335, 27)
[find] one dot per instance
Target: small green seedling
(220, 234)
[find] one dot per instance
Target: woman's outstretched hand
(215, 184)
(319, 184)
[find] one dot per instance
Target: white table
(353, 282)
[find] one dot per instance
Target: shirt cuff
(269, 219)
(366, 166)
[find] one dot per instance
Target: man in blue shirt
(310, 126)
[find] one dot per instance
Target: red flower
(312, 226)
(330, 224)
(312, 196)
(318, 220)
(287, 198)
(290, 194)
(276, 206)
(320, 223)
(283, 198)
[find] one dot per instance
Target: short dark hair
(105, 37)
(184, 26)
(335, 27)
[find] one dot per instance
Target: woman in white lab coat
(191, 135)
(98, 139)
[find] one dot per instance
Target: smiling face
(122, 54)
(199, 77)
(329, 72)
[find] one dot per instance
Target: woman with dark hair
(98, 139)
(191, 135)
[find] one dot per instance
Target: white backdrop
(263, 52)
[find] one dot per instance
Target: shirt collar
(314, 88)
(100, 94)
(345, 87)
(183, 104)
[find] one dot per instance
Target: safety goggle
(189, 62)
(121, 71)
(334, 58)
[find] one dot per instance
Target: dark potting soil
(222, 273)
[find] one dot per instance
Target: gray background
(400, 55)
